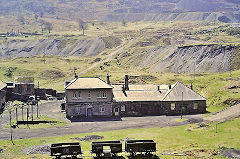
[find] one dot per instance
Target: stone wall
(159, 108)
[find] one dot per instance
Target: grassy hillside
(186, 142)
(220, 93)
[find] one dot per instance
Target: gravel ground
(231, 153)
(41, 149)
(52, 109)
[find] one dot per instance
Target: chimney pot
(126, 83)
(159, 89)
(108, 79)
(170, 86)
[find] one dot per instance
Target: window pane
(173, 106)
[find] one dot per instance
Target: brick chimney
(159, 89)
(108, 79)
(126, 83)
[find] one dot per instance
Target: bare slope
(130, 10)
(51, 47)
(207, 58)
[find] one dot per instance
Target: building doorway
(116, 111)
(89, 112)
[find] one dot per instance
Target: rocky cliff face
(206, 58)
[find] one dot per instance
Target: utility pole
(22, 113)
(37, 106)
(182, 106)
(16, 115)
(27, 116)
(230, 65)
(194, 69)
(217, 128)
(11, 132)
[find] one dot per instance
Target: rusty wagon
(106, 148)
(66, 149)
(140, 146)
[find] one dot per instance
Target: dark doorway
(89, 112)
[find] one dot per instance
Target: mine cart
(66, 149)
(106, 148)
(140, 146)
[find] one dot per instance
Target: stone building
(3, 90)
(21, 89)
(87, 97)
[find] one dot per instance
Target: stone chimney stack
(126, 83)
(159, 89)
(108, 79)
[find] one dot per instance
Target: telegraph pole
(182, 106)
(194, 69)
(22, 113)
(11, 132)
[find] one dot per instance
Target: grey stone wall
(91, 109)
(159, 108)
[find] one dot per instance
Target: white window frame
(99, 94)
(195, 106)
(77, 110)
(104, 94)
(123, 108)
(89, 95)
(74, 95)
(101, 109)
(79, 95)
(173, 108)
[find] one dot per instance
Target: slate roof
(180, 91)
(151, 93)
(88, 83)
(139, 93)
(2, 85)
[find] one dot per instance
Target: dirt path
(224, 115)
(109, 56)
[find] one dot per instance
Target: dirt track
(227, 114)
(52, 109)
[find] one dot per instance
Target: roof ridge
(194, 91)
(105, 82)
(170, 91)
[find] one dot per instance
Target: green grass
(198, 142)
(180, 120)
(56, 123)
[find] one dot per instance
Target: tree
(124, 22)
(42, 23)
(36, 17)
(48, 26)
(82, 25)
(21, 19)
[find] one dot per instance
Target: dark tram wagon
(106, 148)
(140, 146)
(66, 149)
